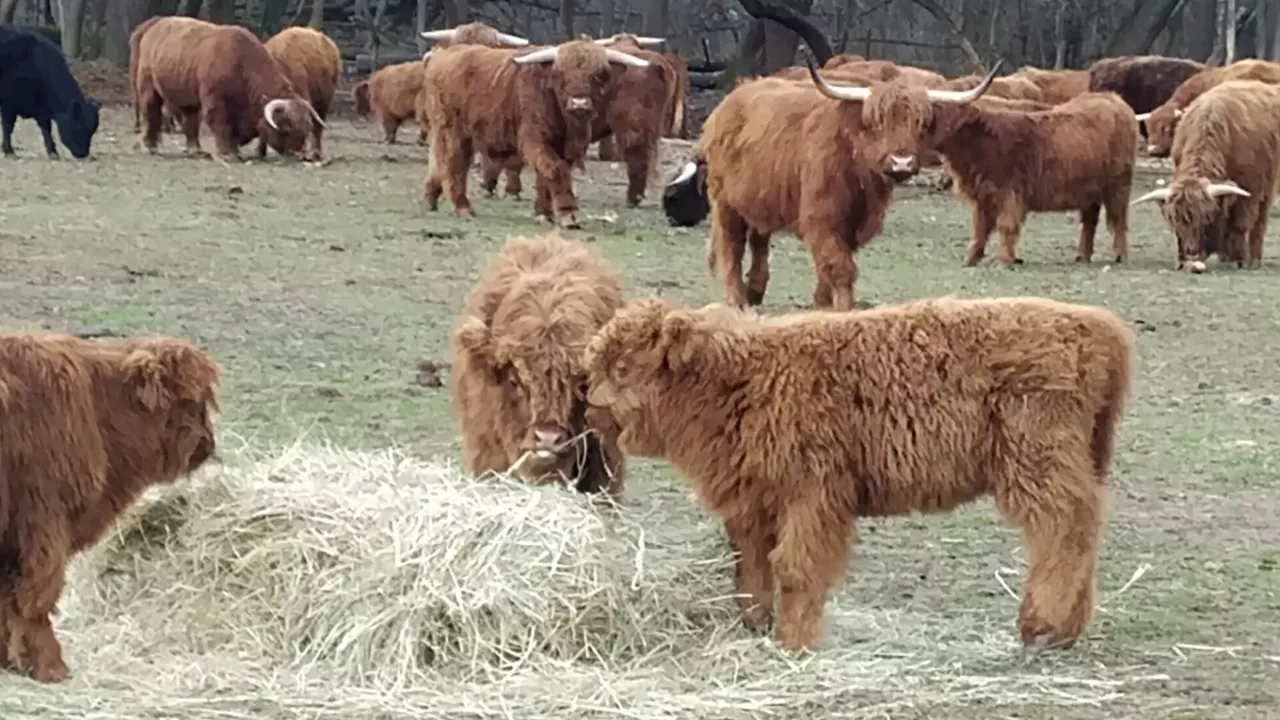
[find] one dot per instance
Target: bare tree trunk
(456, 12)
(222, 12)
(420, 23)
(1141, 27)
(189, 8)
(657, 18)
(1230, 29)
(966, 47)
(8, 8)
(788, 24)
(1060, 37)
(608, 19)
(568, 9)
(73, 27)
(317, 15)
(1275, 33)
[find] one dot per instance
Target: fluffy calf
(781, 156)
(790, 428)
(517, 378)
(392, 95)
(1162, 121)
(225, 74)
(537, 104)
(86, 427)
(36, 83)
(313, 63)
(1145, 82)
(1226, 164)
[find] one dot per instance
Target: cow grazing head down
(684, 199)
(476, 33)
(286, 124)
(77, 125)
(1192, 207)
(581, 74)
(902, 116)
(174, 385)
(1160, 124)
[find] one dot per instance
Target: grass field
(322, 289)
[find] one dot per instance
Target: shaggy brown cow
(86, 427)
(1226, 166)
(677, 100)
(1145, 82)
(392, 95)
(313, 63)
(1162, 121)
(224, 72)
(173, 118)
(1056, 86)
(783, 157)
(790, 428)
(517, 379)
(885, 71)
(839, 59)
(538, 104)
(1009, 88)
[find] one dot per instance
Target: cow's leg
(836, 262)
(728, 244)
(1241, 221)
(513, 186)
(44, 546)
(1258, 232)
(1088, 232)
(1009, 224)
(984, 222)
(8, 119)
(191, 133)
(556, 174)
(808, 560)
(1116, 204)
(447, 172)
(638, 152)
(758, 272)
(753, 535)
(390, 127)
(153, 117)
(316, 151)
(455, 176)
(490, 169)
(46, 133)
(220, 127)
(606, 150)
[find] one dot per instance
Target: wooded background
(952, 36)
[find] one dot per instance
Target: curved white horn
(269, 111)
(642, 40)
(426, 55)
(1227, 188)
(512, 40)
(1157, 194)
(606, 41)
(625, 59)
(545, 55)
(686, 172)
(840, 92)
(316, 115)
(1142, 117)
(440, 34)
(962, 97)
(1177, 113)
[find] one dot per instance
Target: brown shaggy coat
(481, 100)
(391, 95)
(1144, 81)
(1056, 86)
(517, 378)
(1075, 156)
(313, 63)
(790, 428)
(884, 71)
(1010, 88)
(1226, 166)
(224, 73)
(1162, 121)
(173, 118)
(84, 428)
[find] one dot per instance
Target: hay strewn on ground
(321, 583)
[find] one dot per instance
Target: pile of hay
(328, 584)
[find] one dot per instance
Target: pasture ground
(328, 294)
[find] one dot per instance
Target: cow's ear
(472, 337)
(676, 339)
(145, 375)
(189, 371)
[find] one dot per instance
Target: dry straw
(326, 584)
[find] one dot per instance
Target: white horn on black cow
(624, 59)
(839, 92)
(642, 40)
(512, 40)
(438, 35)
(269, 111)
(545, 55)
(686, 172)
(964, 97)
(1142, 117)
(1157, 194)
(1225, 188)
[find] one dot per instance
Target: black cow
(684, 199)
(36, 83)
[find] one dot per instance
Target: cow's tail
(1116, 390)
(676, 92)
(135, 41)
(361, 94)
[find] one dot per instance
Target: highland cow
(820, 164)
(173, 117)
(86, 428)
(517, 379)
(1226, 165)
(790, 428)
(1010, 88)
(392, 95)
(225, 74)
(313, 63)
(677, 97)
(1145, 82)
(36, 83)
(537, 104)
(1056, 86)
(1162, 121)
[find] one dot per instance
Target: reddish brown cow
(173, 117)
(86, 427)
(539, 105)
(1162, 121)
(1226, 165)
(313, 63)
(517, 365)
(391, 95)
(1056, 86)
(1009, 88)
(839, 59)
(884, 71)
(1145, 82)
(784, 157)
(677, 100)
(184, 62)
(791, 428)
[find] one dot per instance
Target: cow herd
(789, 427)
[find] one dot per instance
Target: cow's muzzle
(901, 167)
(578, 105)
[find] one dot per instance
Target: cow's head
(684, 199)
(286, 123)
(1192, 207)
(903, 117)
(77, 125)
(475, 33)
(627, 41)
(175, 385)
(581, 74)
(1160, 124)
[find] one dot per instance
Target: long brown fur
(885, 71)
(391, 95)
(1144, 81)
(84, 428)
(1075, 156)
(223, 73)
(1056, 86)
(172, 118)
(313, 63)
(790, 428)
(517, 352)
(1164, 119)
(1009, 88)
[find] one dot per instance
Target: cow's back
(1239, 122)
(1092, 145)
(34, 76)
(311, 61)
(189, 58)
(395, 88)
(475, 87)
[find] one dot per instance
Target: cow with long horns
(1162, 121)
(538, 104)
(821, 164)
(1226, 163)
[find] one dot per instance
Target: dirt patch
(104, 82)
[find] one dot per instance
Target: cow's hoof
(755, 297)
(568, 221)
(52, 672)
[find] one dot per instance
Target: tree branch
(966, 47)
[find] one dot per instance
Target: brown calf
(391, 95)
